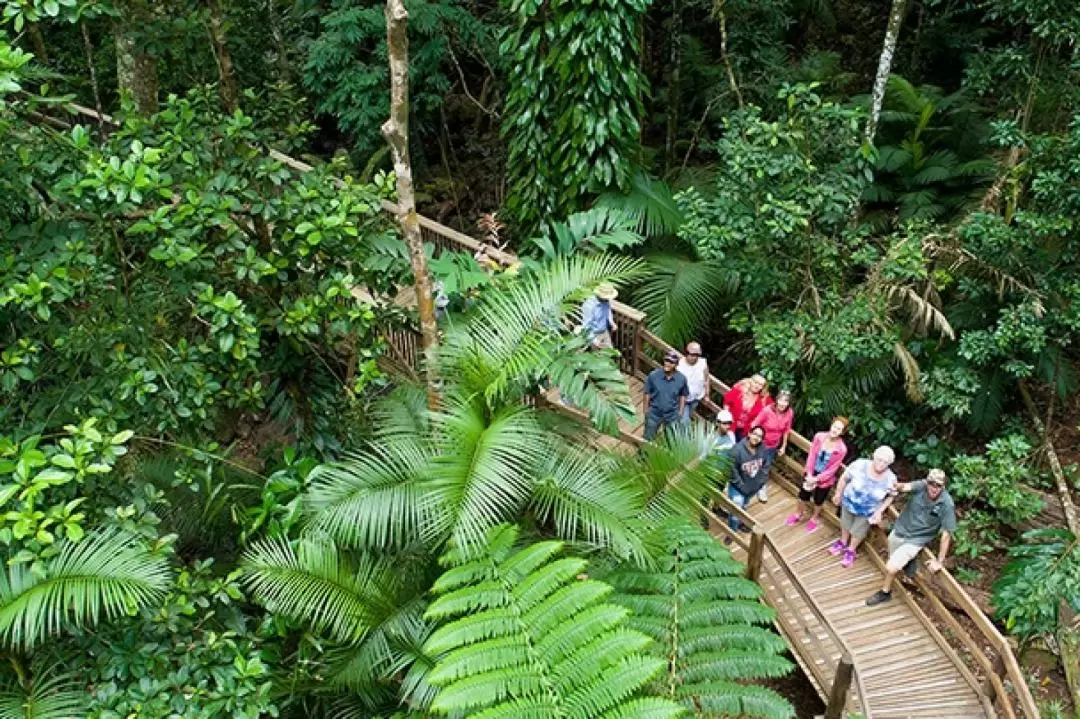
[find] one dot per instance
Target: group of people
(752, 430)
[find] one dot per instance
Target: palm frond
(374, 499)
(909, 367)
(650, 204)
(671, 475)
(483, 472)
(924, 314)
(56, 696)
(598, 229)
(521, 635)
(696, 605)
(592, 382)
(681, 295)
(579, 496)
(314, 583)
(506, 342)
(105, 575)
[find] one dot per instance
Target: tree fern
(105, 575)
(523, 635)
(707, 624)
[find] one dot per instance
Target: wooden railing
(640, 351)
(835, 684)
(999, 667)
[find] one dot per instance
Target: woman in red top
(745, 400)
(776, 420)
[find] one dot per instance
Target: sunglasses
(937, 484)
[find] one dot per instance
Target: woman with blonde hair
(745, 400)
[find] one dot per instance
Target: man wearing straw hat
(596, 316)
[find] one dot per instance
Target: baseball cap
(724, 416)
(671, 356)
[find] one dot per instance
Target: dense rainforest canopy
(221, 495)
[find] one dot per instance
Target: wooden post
(754, 556)
(635, 364)
(998, 667)
(840, 686)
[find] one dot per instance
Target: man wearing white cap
(596, 316)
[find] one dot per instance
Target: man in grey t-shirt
(929, 511)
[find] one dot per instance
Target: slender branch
(465, 85)
(88, 50)
(727, 58)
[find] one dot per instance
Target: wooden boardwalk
(905, 667)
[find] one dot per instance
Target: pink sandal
(811, 526)
(793, 519)
(849, 558)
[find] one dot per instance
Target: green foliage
(346, 66)
(931, 155)
(522, 633)
(596, 230)
(104, 575)
(996, 480)
(194, 655)
(177, 270)
(1043, 571)
(53, 697)
(707, 625)
(651, 204)
(573, 104)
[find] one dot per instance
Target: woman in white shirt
(696, 370)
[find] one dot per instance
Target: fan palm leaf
(522, 635)
(599, 229)
(682, 295)
(575, 493)
(105, 575)
(375, 498)
(650, 204)
(507, 342)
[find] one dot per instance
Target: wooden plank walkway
(906, 668)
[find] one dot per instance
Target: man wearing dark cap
(665, 395)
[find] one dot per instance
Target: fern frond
(523, 637)
(700, 611)
(650, 204)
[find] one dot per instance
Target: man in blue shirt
(597, 318)
(665, 396)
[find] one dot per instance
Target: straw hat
(606, 291)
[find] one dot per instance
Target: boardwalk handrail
(635, 343)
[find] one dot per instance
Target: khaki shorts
(859, 527)
(602, 341)
(901, 551)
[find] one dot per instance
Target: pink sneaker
(811, 526)
(849, 558)
(837, 548)
(793, 519)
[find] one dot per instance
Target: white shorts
(901, 551)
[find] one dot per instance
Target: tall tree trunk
(396, 132)
(674, 81)
(281, 54)
(721, 16)
(38, 42)
(227, 74)
(888, 50)
(88, 51)
(136, 71)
